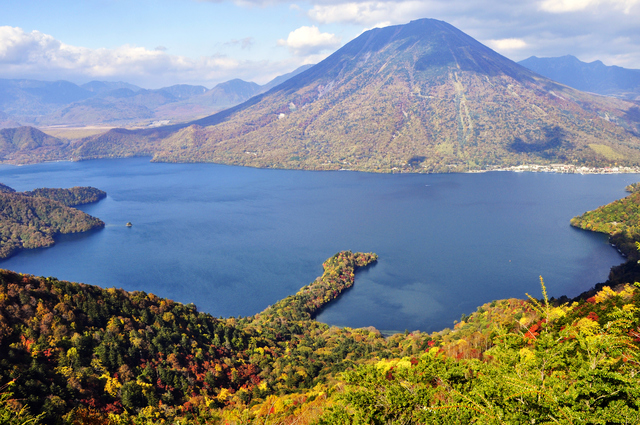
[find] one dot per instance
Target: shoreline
(530, 168)
(563, 169)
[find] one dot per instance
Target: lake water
(234, 240)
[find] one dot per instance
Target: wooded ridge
(32, 219)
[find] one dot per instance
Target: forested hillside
(27, 144)
(570, 364)
(77, 354)
(621, 221)
(76, 350)
(33, 219)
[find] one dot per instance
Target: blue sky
(163, 42)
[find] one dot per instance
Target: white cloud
(16, 46)
(378, 25)
(515, 29)
(245, 43)
(589, 31)
(562, 6)
(309, 40)
(371, 12)
(40, 56)
(595, 29)
(559, 6)
(506, 44)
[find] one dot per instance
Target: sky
(159, 43)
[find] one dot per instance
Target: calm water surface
(234, 240)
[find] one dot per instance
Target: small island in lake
(32, 219)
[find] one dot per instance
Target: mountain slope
(417, 97)
(593, 77)
(24, 98)
(282, 78)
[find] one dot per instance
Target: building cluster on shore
(567, 169)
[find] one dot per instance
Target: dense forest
(77, 354)
(71, 350)
(633, 187)
(33, 219)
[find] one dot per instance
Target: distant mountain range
(594, 77)
(44, 103)
(420, 97)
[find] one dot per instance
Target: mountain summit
(418, 97)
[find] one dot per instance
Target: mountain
(46, 92)
(28, 144)
(417, 97)
(594, 77)
(117, 106)
(236, 91)
(58, 103)
(184, 91)
(227, 94)
(100, 87)
(7, 122)
(42, 102)
(282, 78)
(21, 98)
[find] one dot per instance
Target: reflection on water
(234, 240)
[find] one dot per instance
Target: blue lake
(234, 240)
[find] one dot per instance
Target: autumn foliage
(77, 354)
(33, 219)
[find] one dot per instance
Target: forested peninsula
(70, 197)
(33, 219)
(620, 220)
